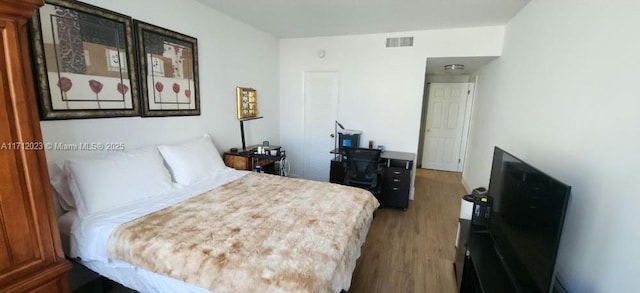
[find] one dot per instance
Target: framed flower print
(85, 62)
(168, 71)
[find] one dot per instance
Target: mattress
(86, 239)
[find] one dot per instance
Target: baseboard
(465, 185)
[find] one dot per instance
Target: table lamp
(335, 138)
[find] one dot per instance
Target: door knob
(332, 135)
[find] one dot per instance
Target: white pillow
(111, 181)
(61, 188)
(193, 160)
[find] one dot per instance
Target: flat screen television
(527, 219)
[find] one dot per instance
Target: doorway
(445, 124)
(320, 112)
(447, 103)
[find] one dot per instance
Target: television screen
(529, 209)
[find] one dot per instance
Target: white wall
(381, 88)
(564, 98)
(447, 78)
(231, 54)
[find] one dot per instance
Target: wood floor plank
(413, 251)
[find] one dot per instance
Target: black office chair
(362, 167)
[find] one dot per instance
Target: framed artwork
(168, 71)
(85, 62)
(247, 102)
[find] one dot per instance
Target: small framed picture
(247, 102)
(168, 71)
(85, 62)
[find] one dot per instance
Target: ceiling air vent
(400, 42)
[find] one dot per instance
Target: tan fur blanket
(259, 233)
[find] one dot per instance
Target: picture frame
(247, 102)
(84, 62)
(169, 81)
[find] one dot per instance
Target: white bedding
(89, 235)
(125, 274)
(88, 238)
(140, 279)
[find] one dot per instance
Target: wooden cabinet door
(30, 254)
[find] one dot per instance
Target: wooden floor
(413, 251)
(410, 251)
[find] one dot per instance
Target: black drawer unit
(394, 180)
(396, 184)
(337, 172)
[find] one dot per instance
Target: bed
(197, 226)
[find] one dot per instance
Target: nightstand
(248, 160)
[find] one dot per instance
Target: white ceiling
(435, 66)
(309, 18)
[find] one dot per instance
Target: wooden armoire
(31, 258)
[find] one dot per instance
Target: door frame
(305, 150)
(466, 122)
(466, 129)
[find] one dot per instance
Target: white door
(320, 112)
(444, 126)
